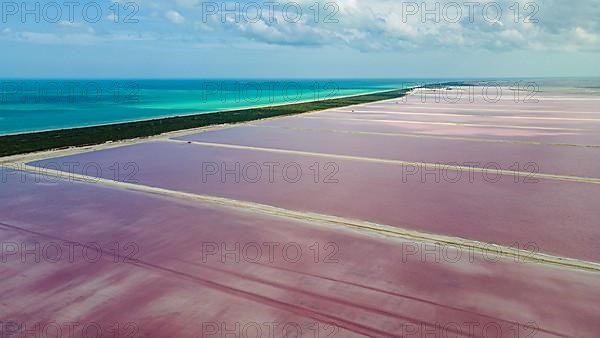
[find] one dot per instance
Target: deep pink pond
(366, 286)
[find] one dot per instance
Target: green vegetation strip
(58, 139)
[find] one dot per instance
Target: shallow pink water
(543, 136)
(366, 287)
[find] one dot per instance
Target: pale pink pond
(567, 137)
(560, 160)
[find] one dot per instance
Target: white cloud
(175, 17)
(585, 37)
(370, 25)
(76, 26)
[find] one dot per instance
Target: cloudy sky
(304, 38)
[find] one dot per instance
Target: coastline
(16, 144)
